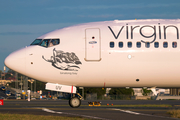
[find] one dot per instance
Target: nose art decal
(64, 60)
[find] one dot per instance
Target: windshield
(36, 42)
(55, 41)
(46, 42)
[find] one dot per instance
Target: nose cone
(16, 61)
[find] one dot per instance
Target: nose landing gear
(75, 102)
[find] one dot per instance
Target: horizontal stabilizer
(60, 88)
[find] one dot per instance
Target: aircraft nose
(16, 61)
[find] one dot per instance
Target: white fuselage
(92, 55)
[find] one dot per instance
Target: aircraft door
(92, 44)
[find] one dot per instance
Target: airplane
(119, 53)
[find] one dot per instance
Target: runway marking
(127, 111)
(86, 116)
(51, 111)
(135, 113)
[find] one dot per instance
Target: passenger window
(120, 44)
(165, 44)
(147, 44)
(156, 44)
(138, 44)
(129, 44)
(174, 44)
(111, 44)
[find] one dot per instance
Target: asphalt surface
(103, 112)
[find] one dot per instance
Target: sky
(22, 21)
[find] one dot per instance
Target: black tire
(74, 102)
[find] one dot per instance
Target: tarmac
(109, 109)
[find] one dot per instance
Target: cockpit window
(46, 42)
(53, 42)
(36, 42)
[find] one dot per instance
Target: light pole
(21, 83)
(35, 87)
(16, 80)
(31, 81)
(4, 72)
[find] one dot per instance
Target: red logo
(1, 102)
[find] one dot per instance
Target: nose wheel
(74, 102)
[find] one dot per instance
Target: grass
(174, 113)
(36, 117)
